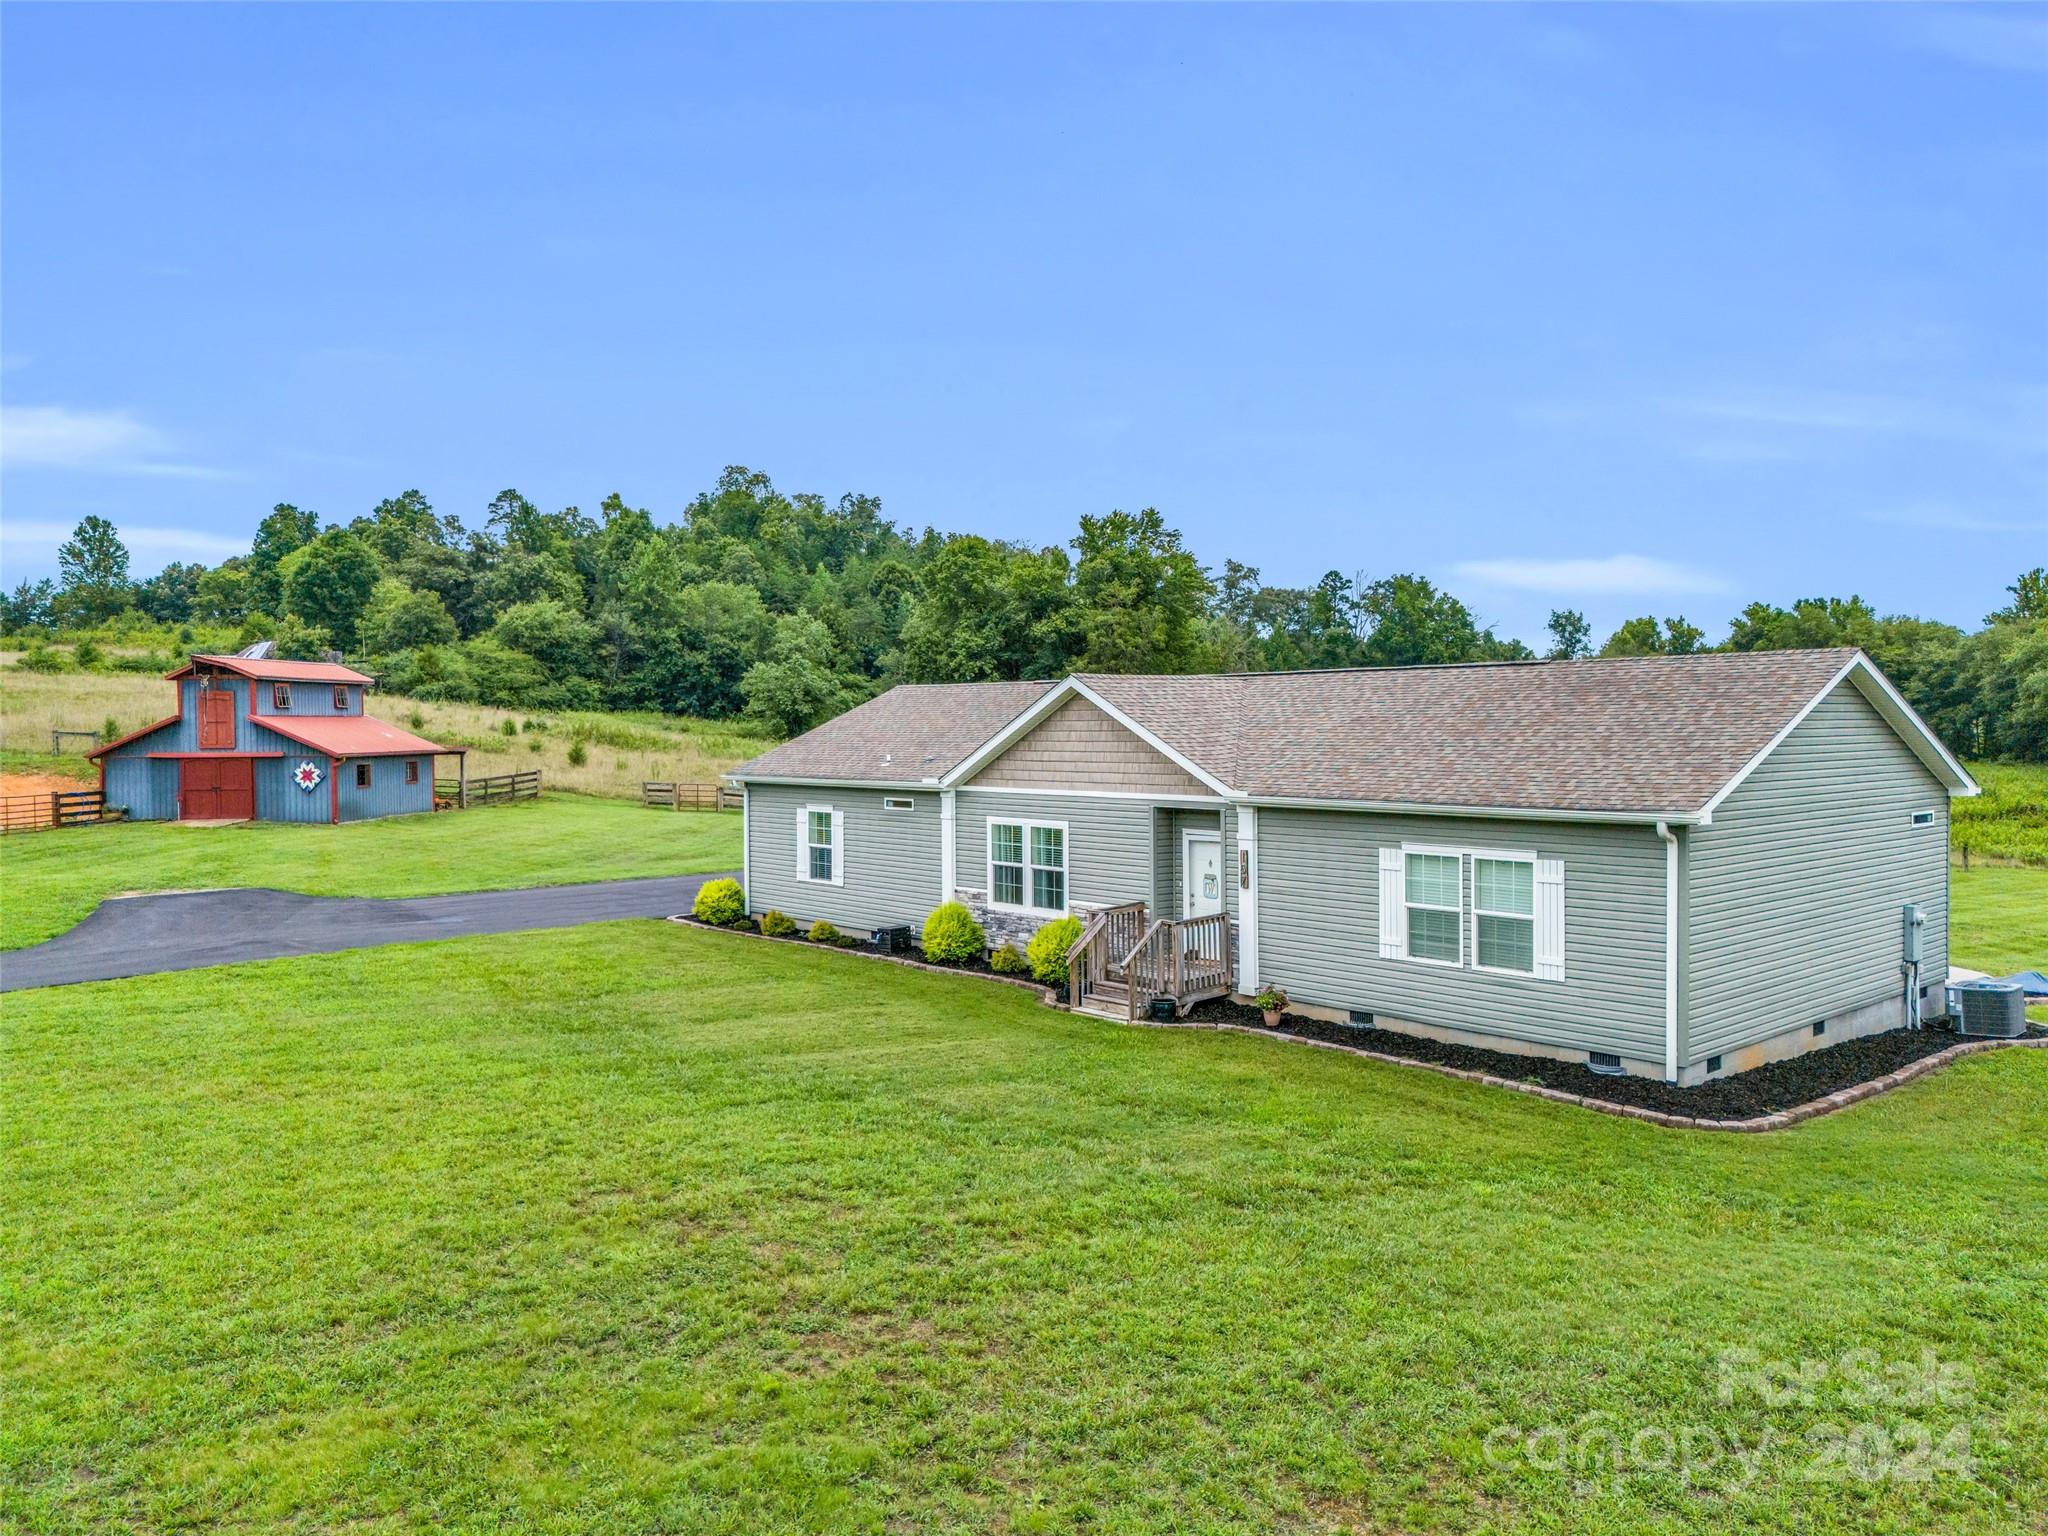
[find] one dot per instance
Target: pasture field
(618, 750)
(642, 1228)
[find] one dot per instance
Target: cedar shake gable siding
(1077, 746)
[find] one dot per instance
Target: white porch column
(1248, 898)
(947, 850)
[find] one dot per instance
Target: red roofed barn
(256, 739)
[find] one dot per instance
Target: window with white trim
(1482, 909)
(1027, 866)
(819, 857)
(1436, 908)
(1504, 914)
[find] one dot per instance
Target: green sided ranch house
(268, 740)
(1680, 867)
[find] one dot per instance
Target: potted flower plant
(1272, 1003)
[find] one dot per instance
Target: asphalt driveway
(143, 935)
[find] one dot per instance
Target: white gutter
(1490, 812)
(1670, 950)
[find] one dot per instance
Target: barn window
(362, 775)
(412, 771)
(341, 697)
(280, 695)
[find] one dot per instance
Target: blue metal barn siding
(313, 700)
(388, 794)
(278, 796)
(149, 789)
(249, 736)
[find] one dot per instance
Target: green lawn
(53, 879)
(641, 1228)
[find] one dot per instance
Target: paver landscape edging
(1778, 1120)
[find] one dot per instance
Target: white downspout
(746, 849)
(1670, 950)
(948, 853)
(1248, 898)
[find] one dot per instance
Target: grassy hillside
(643, 1228)
(2009, 820)
(618, 750)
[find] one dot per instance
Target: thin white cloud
(1640, 575)
(1954, 520)
(2012, 420)
(109, 442)
(1990, 38)
(150, 543)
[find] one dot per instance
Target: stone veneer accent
(1007, 927)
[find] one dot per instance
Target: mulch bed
(1764, 1099)
(1760, 1091)
(978, 966)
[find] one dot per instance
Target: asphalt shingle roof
(1636, 736)
(914, 732)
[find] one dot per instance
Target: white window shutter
(1393, 906)
(838, 849)
(1550, 919)
(803, 842)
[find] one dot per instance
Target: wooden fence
(502, 786)
(688, 797)
(85, 741)
(65, 808)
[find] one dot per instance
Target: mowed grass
(640, 1228)
(50, 880)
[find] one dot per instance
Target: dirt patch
(1761, 1091)
(42, 784)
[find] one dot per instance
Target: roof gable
(913, 734)
(276, 671)
(1076, 745)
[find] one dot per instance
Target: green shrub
(1008, 961)
(110, 729)
(508, 727)
(952, 936)
(1047, 951)
(40, 658)
(416, 720)
(823, 932)
(776, 924)
(578, 754)
(87, 653)
(721, 902)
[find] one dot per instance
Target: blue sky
(1625, 308)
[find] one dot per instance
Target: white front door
(1201, 863)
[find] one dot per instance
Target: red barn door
(213, 788)
(216, 719)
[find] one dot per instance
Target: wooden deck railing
(1098, 953)
(64, 808)
(1123, 960)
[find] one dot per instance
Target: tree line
(790, 608)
